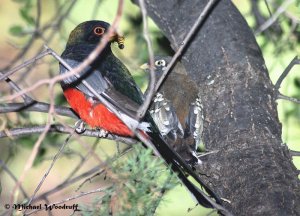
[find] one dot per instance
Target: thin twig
(36, 107)
(27, 99)
(38, 14)
(88, 148)
(83, 159)
(186, 40)
(294, 153)
(89, 179)
(69, 182)
(286, 71)
(49, 169)
(54, 23)
(36, 147)
(5, 75)
(283, 97)
(30, 161)
(59, 17)
(56, 128)
(21, 54)
(72, 198)
(115, 158)
(34, 152)
(278, 12)
(268, 7)
(151, 86)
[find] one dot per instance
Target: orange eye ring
(99, 31)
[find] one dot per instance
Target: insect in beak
(119, 39)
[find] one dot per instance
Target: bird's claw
(102, 133)
(80, 127)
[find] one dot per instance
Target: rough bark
(253, 169)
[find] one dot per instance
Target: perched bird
(111, 79)
(177, 103)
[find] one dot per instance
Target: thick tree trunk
(252, 169)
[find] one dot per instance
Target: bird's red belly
(95, 115)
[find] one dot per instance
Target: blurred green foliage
(26, 13)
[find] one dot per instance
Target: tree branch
(15, 87)
(57, 128)
(49, 169)
(286, 71)
(36, 107)
(187, 40)
(295, 153)
(5, 75)
(151, 86)
(278, 12)
(283, 97)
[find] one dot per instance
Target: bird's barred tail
(179, 166)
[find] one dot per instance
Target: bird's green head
(91, 32)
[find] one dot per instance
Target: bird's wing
(121, 79)
(96, 80)
(122, 102)
(165, 117)
(101, 85)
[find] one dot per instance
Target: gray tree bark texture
(252, 169)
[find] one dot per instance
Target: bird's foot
(102, 133)
(80, 127)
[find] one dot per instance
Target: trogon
(176, 109)
(109, 77)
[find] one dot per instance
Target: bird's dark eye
(99, 30)
(160, 63)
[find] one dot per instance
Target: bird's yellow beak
(118, 39)
(145, 66)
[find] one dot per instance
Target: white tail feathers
(134, 124)
(144, 126)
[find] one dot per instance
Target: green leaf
(24, 12)
(16, 30)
